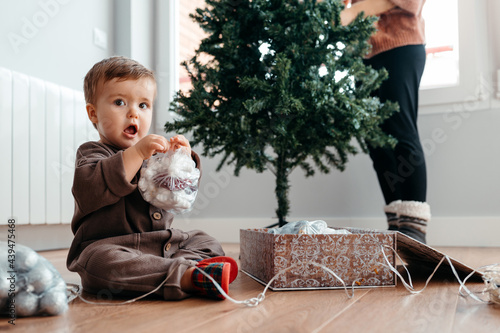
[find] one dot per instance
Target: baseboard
(443, 231)
(464, 231)
(41, 237)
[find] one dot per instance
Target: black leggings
(401, 171)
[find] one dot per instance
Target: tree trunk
(281, 190)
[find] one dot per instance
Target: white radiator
(41, 126)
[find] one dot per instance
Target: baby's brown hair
(119, 67)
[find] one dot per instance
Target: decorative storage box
(356, 258)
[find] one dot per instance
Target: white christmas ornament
(170, 181)
(29, 284)
(54, 301)
(26, 304)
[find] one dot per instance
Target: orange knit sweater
(400, 26)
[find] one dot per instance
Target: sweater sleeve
(412, 6)
(99, 178)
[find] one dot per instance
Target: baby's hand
(152, 144)
(179, 141)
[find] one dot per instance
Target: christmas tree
(280, 84)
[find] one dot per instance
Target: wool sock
(413, 219)
(392, 215)
(203, 286)
(222, 259)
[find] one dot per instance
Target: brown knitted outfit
(122, 244)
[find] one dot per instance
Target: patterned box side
(257, 254)
(355, 258)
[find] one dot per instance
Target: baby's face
(123, 111)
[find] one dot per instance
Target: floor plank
(439, 308)
(396, 310)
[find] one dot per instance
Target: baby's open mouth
(132, 129)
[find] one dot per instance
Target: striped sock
(413, 219)
(392, 221)
(391, 213)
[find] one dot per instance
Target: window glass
(441, 29)
(190, 36)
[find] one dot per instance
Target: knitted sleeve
(99, 177)
(412, 6)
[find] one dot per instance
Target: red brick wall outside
(190, 35)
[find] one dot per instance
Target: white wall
(53, 39)
(463, 162)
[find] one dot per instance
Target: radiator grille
(42, 125)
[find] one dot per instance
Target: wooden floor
(438, 309)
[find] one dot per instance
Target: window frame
(474, 89)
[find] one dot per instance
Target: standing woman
(398, 46)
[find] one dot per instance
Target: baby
(123, 244)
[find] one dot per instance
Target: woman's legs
(401, 171)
